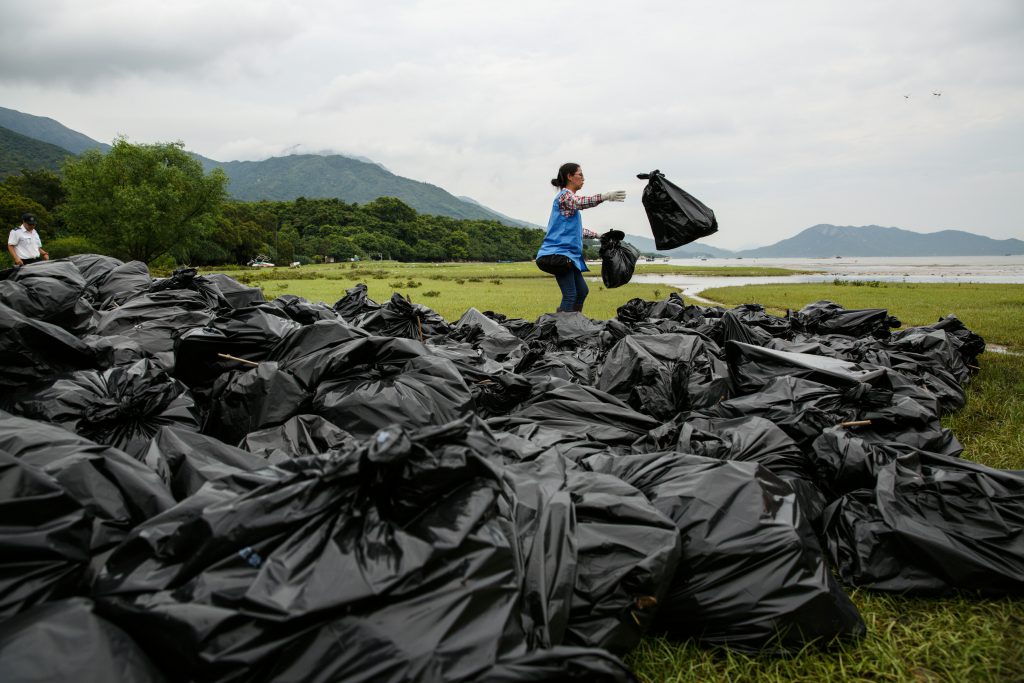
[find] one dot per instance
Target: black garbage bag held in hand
(618, 259)
(676, 217)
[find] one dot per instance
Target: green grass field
(515, 289)
(914, 640)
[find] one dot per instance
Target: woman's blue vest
(565, 235)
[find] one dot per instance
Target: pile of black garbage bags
(197, 484)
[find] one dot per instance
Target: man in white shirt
(24, 244)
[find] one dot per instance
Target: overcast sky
(778, 115)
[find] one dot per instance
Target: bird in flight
(906, 97)
(937, 94)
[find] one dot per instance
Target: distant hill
(825, 241)
(48, 130)
(352, 180)
(18, 152)
(693, 250)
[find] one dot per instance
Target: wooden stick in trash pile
(240, 360)
(856, 423)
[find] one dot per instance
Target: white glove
(614, 196)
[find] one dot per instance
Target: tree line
(154, 203)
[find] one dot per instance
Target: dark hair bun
(554, 181)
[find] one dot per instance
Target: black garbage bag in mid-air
(618, 259)
(67, 641)
(752, 575)
(676, 217)
(932, 525)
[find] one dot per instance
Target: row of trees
(155, 203)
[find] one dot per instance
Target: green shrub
(62, 247)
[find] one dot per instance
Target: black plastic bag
(246, 333)
(119, 491)
(676, 217)
(302, 311)
(369, 384)
(120, 284)
(255, 398)
(664, 374)
(932, 525)
(50, 291)
(355, 303)
(67, 641)
(752, 574)
(491, 338)
(298, 436)
(156, 319)
(44, 539)
(800, 407)
(33, 350)
(581, 412)
(827, 317)
(391, 565)
(618, 259)
(188, 462)
(235, 293)
(122, 407)
(185, 278)
(555, 264)
(399, 317)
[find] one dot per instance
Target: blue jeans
(574, 290)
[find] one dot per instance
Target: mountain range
(826, 241)
(28, 141)
(278, 178)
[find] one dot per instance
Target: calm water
(982, 269)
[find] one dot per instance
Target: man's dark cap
(29, 218)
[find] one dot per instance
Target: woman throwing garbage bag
(561, 253)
